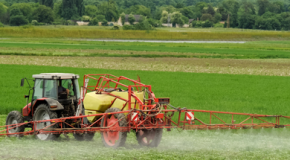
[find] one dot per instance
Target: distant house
(81, 23)
(137, 19)
(167, 24)
(177, 26)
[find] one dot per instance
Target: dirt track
(276, 67)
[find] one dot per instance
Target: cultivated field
(162, 34)
(82, 47)
(248, 78)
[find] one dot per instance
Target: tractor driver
(62, 90)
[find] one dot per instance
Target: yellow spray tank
(99, 103)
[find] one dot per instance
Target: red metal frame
(150, 115)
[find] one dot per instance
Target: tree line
(258, 14)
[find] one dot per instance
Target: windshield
(70, 87)
(38, 89)
(50, 89)
(77, 88)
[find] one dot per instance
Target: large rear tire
(114, 139)
(15, 117)
(149, 138)
(42, 112)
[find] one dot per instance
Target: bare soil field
(272, 67)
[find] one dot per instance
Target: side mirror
(22, 82)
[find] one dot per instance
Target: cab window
(68, 84)
(50, 90)
(38, 89)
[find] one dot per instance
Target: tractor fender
(53, 105)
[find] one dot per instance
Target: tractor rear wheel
(15, 117)
(114, 139)
(42, 112)
(149, 138)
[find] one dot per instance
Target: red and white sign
(189, 116)
(135, 117)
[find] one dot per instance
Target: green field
(239, 93)
(236, 93)
(66, 47)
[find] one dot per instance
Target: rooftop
(56, 76)
(137, 18)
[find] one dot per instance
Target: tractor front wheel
(149, 138)
(42, 112)
(114, 137)
(13, 118)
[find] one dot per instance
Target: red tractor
(54, 95)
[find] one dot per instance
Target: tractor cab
(58, 91)
(57, 86)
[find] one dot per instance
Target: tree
(123, 18)
(18, 20)
(267, 15)
(198, 9)
(91, 10)
(101, 18)
(210, 10)
(43, 14)
(263, 6)
(105, 23)
(164, 17)
(94, 22)
(179, 5)
(285, 20)
(206, 16)
(3, 9)
(193, 24)
(109, 10)
(247, 21)
(276, 7)
(4, 17)
(131, 19)
(81, 7)
(24, 8)
(286, 25)
(143, 25)
(72, 9)
(267, 23)
(140, 10)
(69, 9)
(217, 18)
(15, 11)
(187, 12)
(153, 22)
(169, 9)
(177, 19)
(48, 3)
(246, 16)
(86, 18)
(229, 7)
(185, 19)
(276, 25)
(207, 24)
